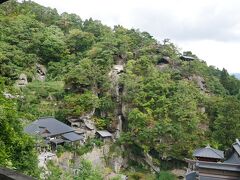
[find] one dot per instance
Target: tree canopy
(169, 107)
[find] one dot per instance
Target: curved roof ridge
(217, 152)
(209, 152)
(238, 142)
(54, 126)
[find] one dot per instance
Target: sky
(208, 28)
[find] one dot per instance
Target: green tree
(69, 21)
(79, 104)
(17, 149)
(79, 41)
(87, 172)
(226, 122)
(52, 45)
(230, 83)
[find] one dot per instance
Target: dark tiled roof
(234, 159)
(48, 127)
(209, 152)
(236, 146)
(191, 175)
(104, 133)
(190, 58)
(57, 141)
(207, 178)
(218, 166)
(72, 136)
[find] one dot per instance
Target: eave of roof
(57, 141)
(234, 159)
(209, 152)
(53, 126)
(218, 166)
(236, 146)
(104, 133)
(187, 57)
(72, 136)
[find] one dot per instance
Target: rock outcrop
(41, 72)
(22, 80)
(149, 161)
(199, 81)
(116, 89)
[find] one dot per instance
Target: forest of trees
(166, 114)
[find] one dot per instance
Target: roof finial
(208, 146)
(238, 141)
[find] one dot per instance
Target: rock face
(119, 126)
(202, 109)
(164, 60)
(115, 159)
(162, 67)
(203, 126)
(114, 76)
(180, 173)
(118, 68)
(11, 96)
(41, 72)
(199, 81)
(149, 161)
(114, 175)
(8, 95)
(117, 164)
(97, 155)
(22, 80)
(83, 125)
(65, 160)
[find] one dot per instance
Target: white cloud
(219, 54)
(209, 28)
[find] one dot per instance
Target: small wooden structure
(234, 157)
(220, 171)
(104, 135)
(208, 165)
(208, 154)
(53, 131)
(187, 58)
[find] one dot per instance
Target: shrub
(165, 175)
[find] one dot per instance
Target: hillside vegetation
(169, 107)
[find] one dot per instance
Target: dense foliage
(17, 149)
(85, 171)
(169, 108)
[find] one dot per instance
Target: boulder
(22, 80)
(8, 95)
(180, 173)
(41, 72)
(114, 175)
(199, 81)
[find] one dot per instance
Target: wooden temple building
(104, 135)
(53, 132)
(187, 58)
(210, 164)
(208, 154)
